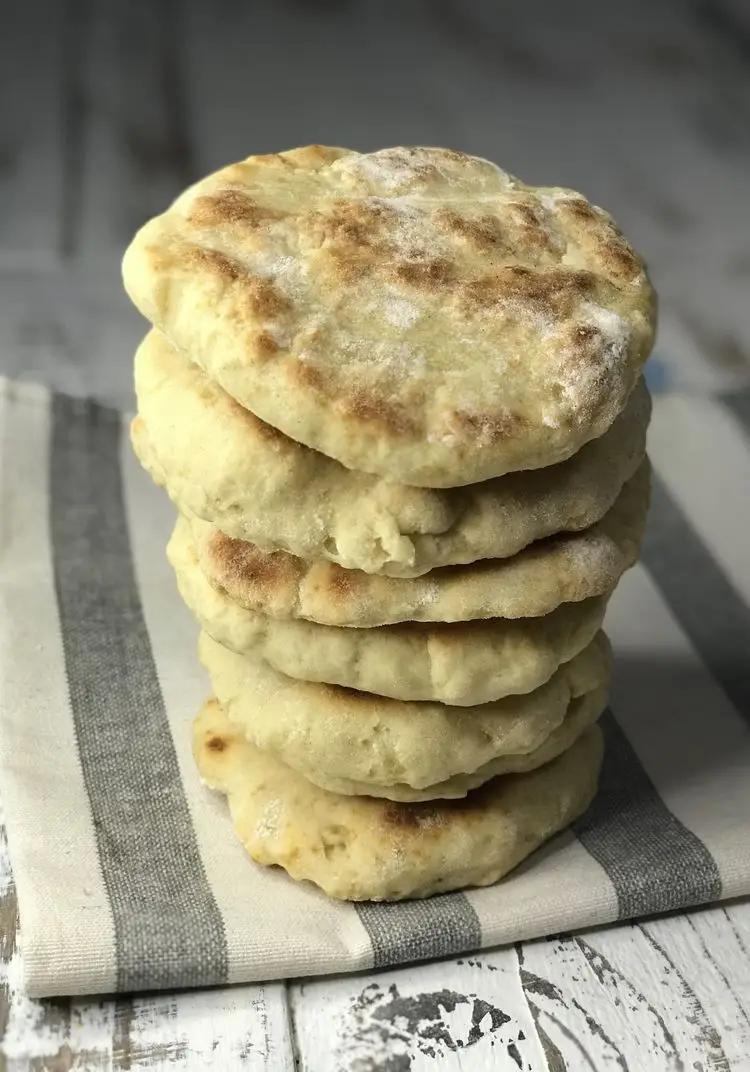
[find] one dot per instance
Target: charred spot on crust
(239, 563)
(410, 816)
(551, 290)
(423, 815)
(428, 275)
(577, 207)
(485, 232)
(376, 410)
(217, 263)
(230, 207)
(617, 256)
(266, 344)
(265, 300)
(216, 743)
(357, 223)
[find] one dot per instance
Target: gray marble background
(108, 109)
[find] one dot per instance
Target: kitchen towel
(128, 874)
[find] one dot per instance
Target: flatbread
(221, 463)
(561, 569)
(467, 663)
(360, 848)
(414, 312)
(340, 737)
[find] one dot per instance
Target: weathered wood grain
(465, 1014)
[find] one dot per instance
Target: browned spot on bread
(485, 428)
(308, 373)
(532, 233)
(378, 411)
(434, 814)
(428, 275)
(614, 253)
(485, 232)
(412, 816)
(349, 266)
(266, 345)
(366, 407)
(353, 222)
(454, 154)
(618, 258)
(577, 207)
(230, 207)
(551, 290)
(428, 815)
(585, 335)
(197, 257)
(240, 566)
(265, 299)
(216, 744)
(342, 582)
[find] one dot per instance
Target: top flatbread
(221, 463)
(417, 312)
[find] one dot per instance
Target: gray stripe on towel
(654, 862)
(709, 609)
(417, 930)
(168, 929)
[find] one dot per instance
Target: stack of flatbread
(396, 399)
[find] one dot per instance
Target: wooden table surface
(108, 109)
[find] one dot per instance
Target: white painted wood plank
(226, 1028)
(628, 997)
(35, 101)
(708, 967)
(468, 1014)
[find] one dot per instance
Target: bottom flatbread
(363, 848)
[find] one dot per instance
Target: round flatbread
(414, 312)
(221, 463)
(361, 848)
(461, 664)
(561, 569)
(338, 737)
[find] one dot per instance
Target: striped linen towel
(127, 871)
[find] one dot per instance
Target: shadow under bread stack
(396, 399)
